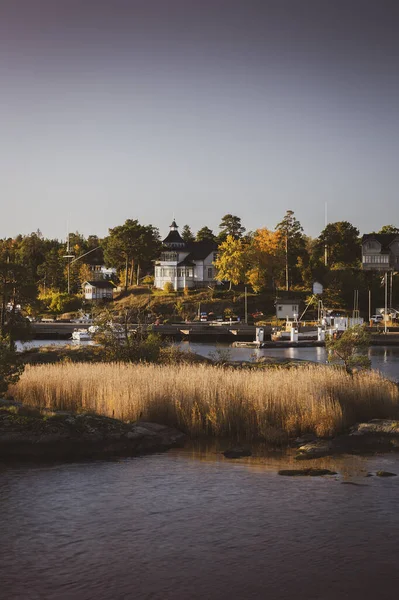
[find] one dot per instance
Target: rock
(354, 483)
(68, 436)
(305, 439)
(385, 474)
(380, 426)
(237, 452)
(314, 449)
(306, 472)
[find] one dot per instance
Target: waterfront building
(380, 252)
(185, 264)
(96, 290)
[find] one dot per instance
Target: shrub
(168, 287)
(10, 367)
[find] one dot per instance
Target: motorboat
(81, 335)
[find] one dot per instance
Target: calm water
(193, 525)
(383, 358)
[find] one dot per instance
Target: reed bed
(267, 405)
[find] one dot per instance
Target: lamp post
(74, 259)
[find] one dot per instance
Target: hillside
(154, 304)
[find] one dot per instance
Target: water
(190, 524)
(383, 358)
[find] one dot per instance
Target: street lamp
(74, 259)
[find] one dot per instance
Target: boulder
(385, 474)
(237, 452)
(306, 472)
(68, 436)
(314, 449)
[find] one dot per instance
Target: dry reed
(206, 400)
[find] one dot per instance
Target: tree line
(283, 258)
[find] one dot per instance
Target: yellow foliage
(232, 260)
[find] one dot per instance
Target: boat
(81, 335)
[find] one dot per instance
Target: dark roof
(173, 237)
(385, 239)
(288, 300)
(200, 250)
(100, 283)
(186, 262)
(174, 224)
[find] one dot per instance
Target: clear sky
(116, 109)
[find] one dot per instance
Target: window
(169, 256)
(210, 273)
(372, 246)
(215, 255)
(376, 259)
(280, 309)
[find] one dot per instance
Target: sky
(153, 109)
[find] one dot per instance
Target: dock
(238, 334)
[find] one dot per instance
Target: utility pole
(369, 305)
(391, 292)
(68, 255)
(246, 307)
(287, 283)
(386, 302)
(325, 245)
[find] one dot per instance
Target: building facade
(380, 252)
(98, 290)
(287, 309)
(185, 264)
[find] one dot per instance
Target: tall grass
(217, 401)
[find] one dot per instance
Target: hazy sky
(116, 109)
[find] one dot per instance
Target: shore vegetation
(203, 400)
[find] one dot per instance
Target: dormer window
(372, 245)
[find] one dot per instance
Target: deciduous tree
(351, 348)
(343, 244)
(232, 261)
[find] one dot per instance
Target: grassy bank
(206, 400)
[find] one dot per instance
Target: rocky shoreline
(27, 433)
(376, 436)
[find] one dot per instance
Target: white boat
(81, 335)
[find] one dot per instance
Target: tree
(293, 242)
(125, 341)
(230, 225)
(187, 234)
(389, 229)
(232, 260)
(10, 367)
(342, 242)
(130, 243)
(351, 348)
(265, 257)
(205, 235)
(51, 272)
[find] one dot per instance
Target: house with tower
(185, 264)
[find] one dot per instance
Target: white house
(380, 252)
(102, 272)
(185, 264)
(287, 309)
(98, 290)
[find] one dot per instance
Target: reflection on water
(190, 524)
(383, 358)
